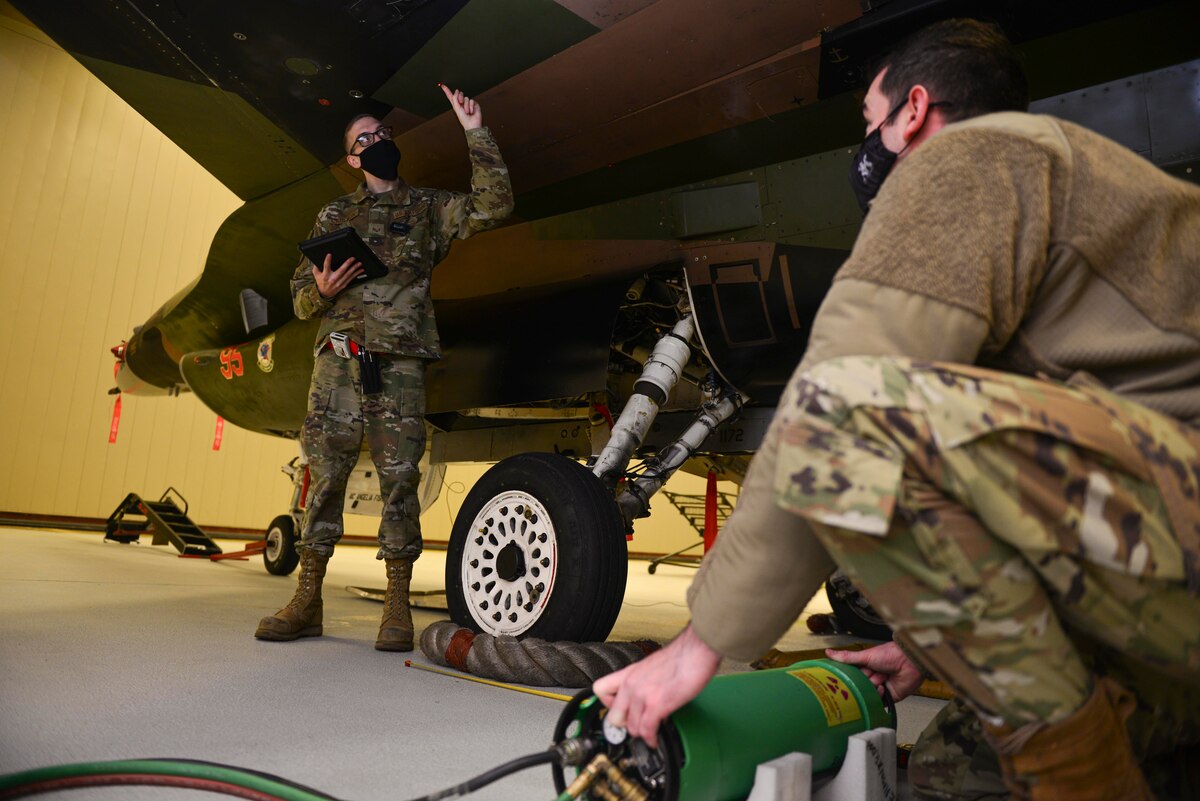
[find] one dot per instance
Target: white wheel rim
(274, 545)
(517, 523)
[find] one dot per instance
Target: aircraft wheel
(854, 611)
(280, 555)
(537, 550)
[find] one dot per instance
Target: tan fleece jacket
(1018, 242)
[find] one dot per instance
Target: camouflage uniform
(1022, 536)
(411, 230)
(1019, 535)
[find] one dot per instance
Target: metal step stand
(693, 508)
(170, 523)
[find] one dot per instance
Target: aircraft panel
(260, 384)
(524, 345)
(1173, 106)
(839, 238)
(800, 200)
(633, 88)
(783, 136)
(1133, 36)
(465, 54)
(240, 147)
(716, 210)
(1156, 114)
(306, 66)
(604, 13)
(754, 305)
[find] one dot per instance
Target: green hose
(15, 785)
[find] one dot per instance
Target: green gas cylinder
(744, 719)
(710, 749)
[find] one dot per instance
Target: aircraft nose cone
(510, 562)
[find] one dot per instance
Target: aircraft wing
(258, 93)
(625, 123)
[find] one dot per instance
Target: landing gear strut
(538, 547)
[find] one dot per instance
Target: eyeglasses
(370, 137)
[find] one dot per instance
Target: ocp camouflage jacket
(410, 229)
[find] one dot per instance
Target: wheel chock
(253, 549)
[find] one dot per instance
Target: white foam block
(788, 778)
(869, 771)
(867, 774)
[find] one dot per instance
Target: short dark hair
(967, 64)
(347, 142)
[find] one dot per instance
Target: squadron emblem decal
(266, 360)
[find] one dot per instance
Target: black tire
(853, 610)
(280, 556)
(577, 555)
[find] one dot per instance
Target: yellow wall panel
(102, 219)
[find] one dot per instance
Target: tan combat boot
(302, 616)
(396, 630)
(1086, 757)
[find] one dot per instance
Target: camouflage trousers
(1021, 537)
(339, 418)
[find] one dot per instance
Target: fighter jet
(681, 211)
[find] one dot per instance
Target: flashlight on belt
(369, 372)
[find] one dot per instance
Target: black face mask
(872, 163)
(381, 159)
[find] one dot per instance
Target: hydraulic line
(208, 776)
(635, 501)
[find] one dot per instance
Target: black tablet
(344, 243)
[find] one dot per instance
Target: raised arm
(491, 196)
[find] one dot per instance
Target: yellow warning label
(838, 703)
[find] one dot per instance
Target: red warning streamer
(116, 421)
(710, 511)
(116, 416)
(219, 434)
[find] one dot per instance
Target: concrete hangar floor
(112, 651)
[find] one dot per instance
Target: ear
(913, 115)
(354, 161)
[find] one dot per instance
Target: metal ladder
(170, 523)
(692, 508)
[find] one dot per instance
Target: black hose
(569, 715)
(484, 779)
